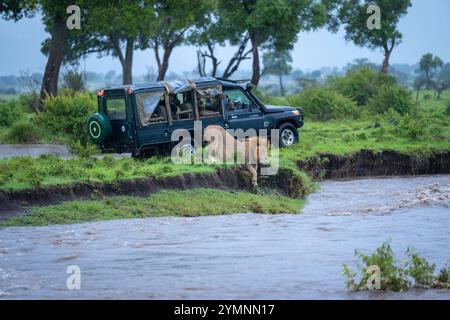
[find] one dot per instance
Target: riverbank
(184, 203)
(98, 200)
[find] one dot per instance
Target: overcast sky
(425, 29)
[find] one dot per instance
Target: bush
(22, 132)
(414, 127)
(391, 96)
(68, 114)
(10, 113)
(395, 276)
(324, 104)
(427, 96)
(392, 276)
(361, 84)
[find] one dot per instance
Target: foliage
(392, 276)
(74, 80)
(273, 23)
(10, 113)
(68, 114)
(324, 104)
(22, 132)
(353, 14)
(391, 96)
(429, 65)
(395, 276)
(277, 62)
(361, 84)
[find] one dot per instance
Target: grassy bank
(187, 203)
(24, 172)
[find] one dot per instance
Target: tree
(54, 16)
(169, 27)
(271, 23)
(115, 27)
(277, 63)
(442, 81)
(419, 82)
(430, 65)
(353, 13)
(217, 31)
(305, 83)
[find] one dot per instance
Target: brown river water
(241, 256)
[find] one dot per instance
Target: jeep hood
(273, 109)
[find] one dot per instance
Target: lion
(223, 147)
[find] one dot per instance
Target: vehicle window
(182, 105)
(209, 107)
(151, 108)
(116, 108)
(237, 100)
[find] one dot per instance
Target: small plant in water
(392, 276)
(389, 274)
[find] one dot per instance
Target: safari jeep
(141, 118)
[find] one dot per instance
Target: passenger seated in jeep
(160, 113)
(174, 103)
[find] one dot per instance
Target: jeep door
(116, 106)
(153, 122)
(242, 111)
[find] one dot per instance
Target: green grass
(187, 203)
(25, 172)
(351, 136)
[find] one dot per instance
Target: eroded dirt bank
(238, 179)
(371, 163)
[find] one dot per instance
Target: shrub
(361, 84)
(391, 96)
(395, 276)
(22, 132)
(414, 127)
(324, 104)
(68, 114)
(427, 96)
(392, 276)
(447, 110)
(9, 113)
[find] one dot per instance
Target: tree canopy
(353, 14)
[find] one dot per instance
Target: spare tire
(99, 128)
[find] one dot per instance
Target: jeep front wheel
(288, 135)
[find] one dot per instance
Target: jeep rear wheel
(288, 135)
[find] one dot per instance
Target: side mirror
(249, 86)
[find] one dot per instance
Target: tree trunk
(385, 66)
(127, 63)
(54, 61)
(162, 68)
(417, 94)
(256, 69)
(280, 78)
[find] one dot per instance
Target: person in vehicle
(174, 103)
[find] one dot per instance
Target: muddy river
(248, 256)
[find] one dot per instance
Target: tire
(99, 128)
(288, 135)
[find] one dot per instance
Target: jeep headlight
(296, 112)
